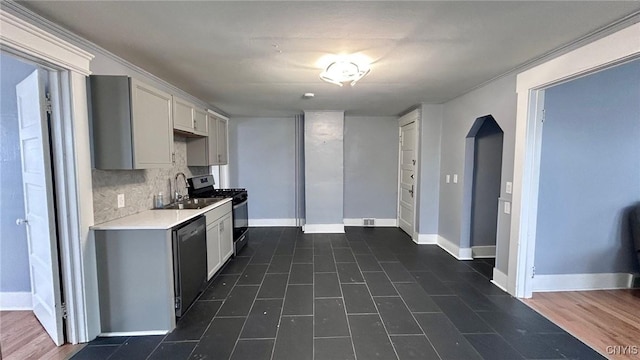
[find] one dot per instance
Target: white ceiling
(225, 52)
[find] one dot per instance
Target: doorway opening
(30, 276)
(483, 177)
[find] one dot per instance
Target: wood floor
(22, 337)
(608, 321)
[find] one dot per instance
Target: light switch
(507, 207)
(448, 178)
(455, 178)
(509, 187)
(120, 200)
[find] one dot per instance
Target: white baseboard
(134, 333)
(577, 282)
(424, 239)
(15, 301)
(323, 229)
(379, 222)
(453, 249)
(483, 251)
(500, 279)
(271, 222)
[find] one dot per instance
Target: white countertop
(155, 219)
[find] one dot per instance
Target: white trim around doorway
(614, 49)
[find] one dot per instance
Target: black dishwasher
(189, 262)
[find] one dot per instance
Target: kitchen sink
(192, 203)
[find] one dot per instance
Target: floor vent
(369, 222)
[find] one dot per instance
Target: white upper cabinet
(200, 123)
(132, 125)
(189, 119)
(211, 150)
(222, 141)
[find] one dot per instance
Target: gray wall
(324, 167)
(429, 189)
(262, 158)
(14, 254)
(589, 174)
(486, 184)
(497, 98)
(370, 167)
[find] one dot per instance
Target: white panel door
(407, 181)
(39, 204)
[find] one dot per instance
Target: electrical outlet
(448, 178)
(509, 187)
(120, 200)
(455, 178)
(507, 207)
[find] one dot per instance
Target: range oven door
(240, 219)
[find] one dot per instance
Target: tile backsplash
(138, 186)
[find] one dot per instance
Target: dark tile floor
(368, 294)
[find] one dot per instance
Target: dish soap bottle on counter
(158, 201)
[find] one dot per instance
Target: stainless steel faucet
(177, 194)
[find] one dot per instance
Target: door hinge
(47, 103)
(65, 312)
(543, 115)
(533, 272)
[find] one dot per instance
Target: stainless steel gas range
(202, 187)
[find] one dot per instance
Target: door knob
(21, 221)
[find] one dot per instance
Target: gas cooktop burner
(202, 187)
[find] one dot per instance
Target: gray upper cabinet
(211, 150)
(188, 119)
(132, 124)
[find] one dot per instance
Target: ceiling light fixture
(341, 71)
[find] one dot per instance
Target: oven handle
(241, 204)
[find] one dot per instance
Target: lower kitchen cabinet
(219, 238)
(226, 238)
(135, 281)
